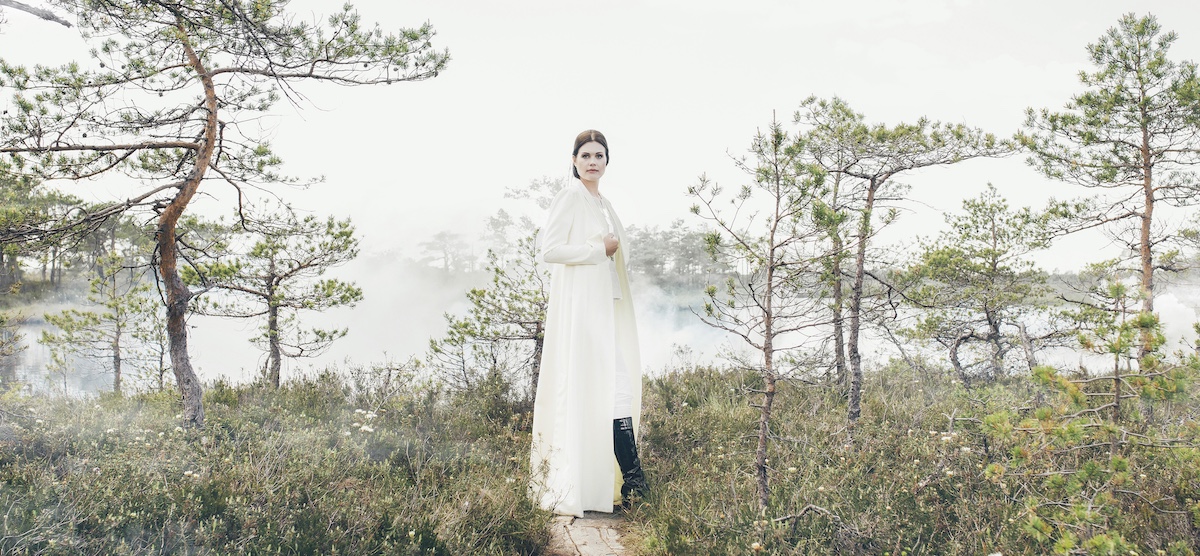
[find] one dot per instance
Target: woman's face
(591, 161)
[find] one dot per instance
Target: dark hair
(587, 137)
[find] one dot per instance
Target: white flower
(178, 429)
(366, 428)
(109, 431)
(821, 489)
(347, 433)
(411, 533)
(966, 449)
(360, 411)
(179, 416)
(792, 470)
(39, 421)
(684, 404)
(510, 480)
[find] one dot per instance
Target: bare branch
(38, 12)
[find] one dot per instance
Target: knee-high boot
(625, 448)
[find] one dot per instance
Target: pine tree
(274, 269)
(1130, 136)
(168, 99)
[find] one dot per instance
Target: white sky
(675, 85)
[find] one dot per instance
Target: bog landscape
(853, 393)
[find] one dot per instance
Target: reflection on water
(29, 369)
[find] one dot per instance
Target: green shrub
(930, 468)
(295, 471)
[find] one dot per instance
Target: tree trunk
(162, 370)
(538, 342)
(1116, 411)
(958, 368)
(764, 418)
(54, 279)
(996, 339)
(6, 277)
(854, 410)
(177, 302)
(1144, 247)
(119, 314)
(177, 292)
(274, 362)
(839, 333)
(768, 349)
(1027, 345)
(116, 359)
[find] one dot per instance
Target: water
(28, 369)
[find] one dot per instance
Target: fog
(403, 307)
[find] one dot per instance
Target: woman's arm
(563, 212)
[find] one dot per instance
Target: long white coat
(574, 469)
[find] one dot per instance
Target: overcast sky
(676, 86)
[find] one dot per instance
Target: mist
(405, 300)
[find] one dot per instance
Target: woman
(590, 377)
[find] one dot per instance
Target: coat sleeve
(555, 236)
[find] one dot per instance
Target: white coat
(573, 466)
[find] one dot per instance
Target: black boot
(625, 448)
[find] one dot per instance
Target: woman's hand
(610, 244)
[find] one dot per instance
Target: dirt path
(594, 534)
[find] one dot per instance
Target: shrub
(299, 470)
(931, 467)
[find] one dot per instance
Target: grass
(311, 468)
(921, 472)
(369, 461)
